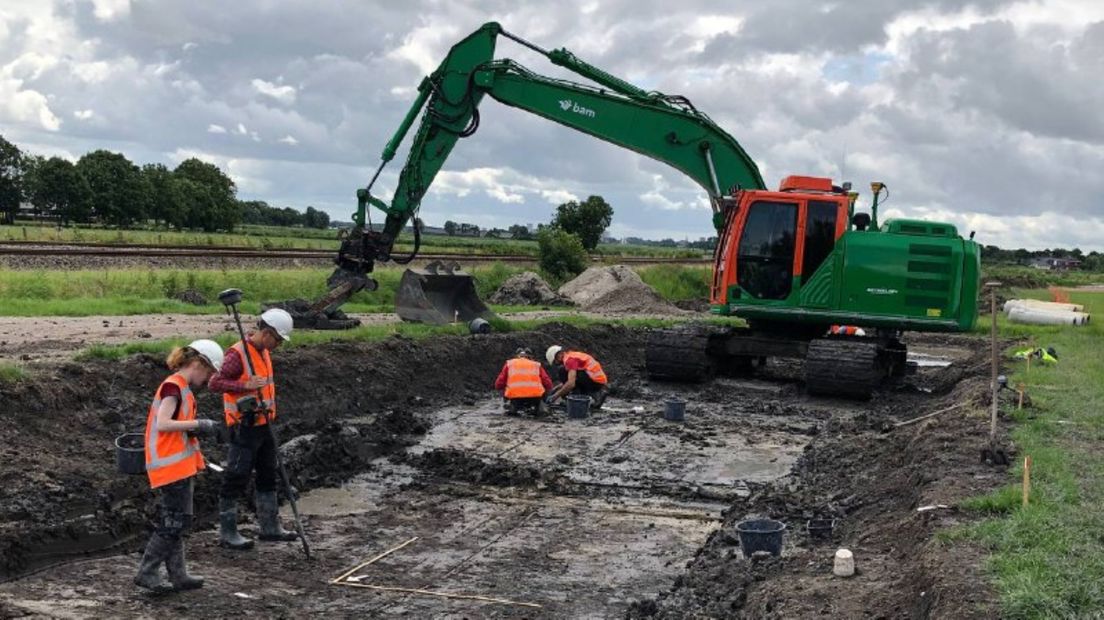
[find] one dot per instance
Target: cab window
(820, 235)
(765, 257)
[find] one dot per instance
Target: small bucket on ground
(674, 409)
(578, 406)
(820, 529)
(130, 453)
(760, 535)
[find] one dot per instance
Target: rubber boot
(599, 398)
(511, 408)
(268, 516)
(157, 551)
(178, 569)
(228, 526)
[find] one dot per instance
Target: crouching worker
(523, 383)
(172, 461)
(577, 372)
(252, 446)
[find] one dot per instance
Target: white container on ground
(845, 563)
(1036, 316)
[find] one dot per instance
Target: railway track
(22, 248)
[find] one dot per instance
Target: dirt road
(621, 513)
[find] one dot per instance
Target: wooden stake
(354, 569)
(1026, 479)
(471, 597)
(1020, 393)
(995, 369)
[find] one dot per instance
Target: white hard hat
(280, 321)
(210, 351)
(550, 354)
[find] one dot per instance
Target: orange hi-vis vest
(523, 379)
(172, 455)
(262, 367)
(591, 365)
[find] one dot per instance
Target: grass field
(1048, 558)
(152, 291)
(280, 238)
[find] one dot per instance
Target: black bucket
(760, 535)
(820, 529)
(578, 406)
(130, 453)
(674, 409)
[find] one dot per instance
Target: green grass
(10, 373)
(678, 283)
(1048, 558)
(137, 291)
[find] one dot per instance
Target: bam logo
(567, 104)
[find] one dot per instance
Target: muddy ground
(619, 514)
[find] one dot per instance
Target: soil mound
(615, 289)
(191, 296)
(528, 289)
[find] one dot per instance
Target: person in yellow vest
(172, 461)
(251, 444)
(523, 383)
(578, 372)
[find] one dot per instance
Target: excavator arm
(665, 128)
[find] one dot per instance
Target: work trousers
(251, 449)
(176, 508)
(583, 383)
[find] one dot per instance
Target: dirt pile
(191, 296)
(527, 289)
(615, 289)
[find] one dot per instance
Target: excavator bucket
(440, 293)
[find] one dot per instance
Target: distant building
(1051, 263)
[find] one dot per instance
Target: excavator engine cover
(439, 294)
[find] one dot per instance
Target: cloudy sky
(987, 114)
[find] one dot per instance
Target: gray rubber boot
(157, 551)
(178, 569)
(268, 516)
(228, 526)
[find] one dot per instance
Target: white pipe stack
(1042, 305)
(1045, 316)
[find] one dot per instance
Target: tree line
(107, 188)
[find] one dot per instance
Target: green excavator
(812, 278)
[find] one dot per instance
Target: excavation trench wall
(62, 498)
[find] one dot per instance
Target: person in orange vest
(172, 461)
(251, 444)
(577, 371)
(523, 383)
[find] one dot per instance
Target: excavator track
(847, 367)
(683, 353)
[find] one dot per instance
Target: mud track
(621, 513)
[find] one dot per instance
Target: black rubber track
(681, 354)
(843, 367)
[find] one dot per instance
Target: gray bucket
(130, 453)
(479, 326)
(760, 535)
(578, 406)
(674, 409)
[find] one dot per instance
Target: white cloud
(83, 114)
(26, 105)
(213, 128)
(109, 10)
(242, 130)
(280, 92)
(289, 140)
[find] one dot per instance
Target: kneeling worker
(579, 372)
(523, 382)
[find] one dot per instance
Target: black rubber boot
(268, 516)
(178, 569)
(157, 551)
(228, 526)
(511, 408)
(600, 397)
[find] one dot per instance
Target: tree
(314, 218)
(587, 219)
(223, 209)
(120, 193)
(517, 231)
(450, 228)
(560, 254)
(164, 202)
(56, 186)
(11, 180)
